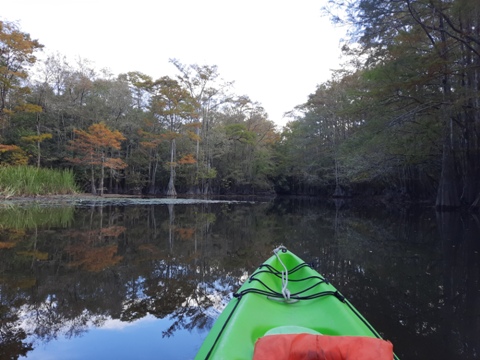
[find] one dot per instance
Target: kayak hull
(264, 304)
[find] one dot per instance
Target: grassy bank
(31, 181)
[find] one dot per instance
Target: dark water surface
(146, 281)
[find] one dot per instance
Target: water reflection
(67, 270)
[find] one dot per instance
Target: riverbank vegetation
(31, 181)
(401, 119)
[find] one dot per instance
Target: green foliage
(419, 107)
(239, 132)
(244, 152)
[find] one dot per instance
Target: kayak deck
(264, 303)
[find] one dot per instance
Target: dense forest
(400, 120)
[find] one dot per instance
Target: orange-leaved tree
(16, 56)
(12, 155)
(95, 148)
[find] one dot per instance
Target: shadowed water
(146, 280)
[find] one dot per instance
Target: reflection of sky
(141, 339)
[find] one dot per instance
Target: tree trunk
(93, 188)
(476, 203)
(171, 183)
(171, 225)
(38, 154)
(102, 177)
(171, 192)
(447, 193)
(153, 177)
(471, 161)
(38, 142)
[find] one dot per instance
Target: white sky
(276, 51)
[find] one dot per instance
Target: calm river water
(146, 279)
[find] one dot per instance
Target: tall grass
(29, 181)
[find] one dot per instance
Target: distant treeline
(401, 120)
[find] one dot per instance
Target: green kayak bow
(284, 295)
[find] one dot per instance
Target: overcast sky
(276, 51)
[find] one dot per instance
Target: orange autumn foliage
(185, 233)
(12, 155)
(94, 259)
(7, 245)
(187, 159)
(93, 147)
(37, 255)
(113, 231)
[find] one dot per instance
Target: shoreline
(61, 198)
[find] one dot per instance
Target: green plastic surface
(249, 317)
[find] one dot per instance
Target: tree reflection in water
(414, 274)
(12, 336)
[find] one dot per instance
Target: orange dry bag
(321, 347)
